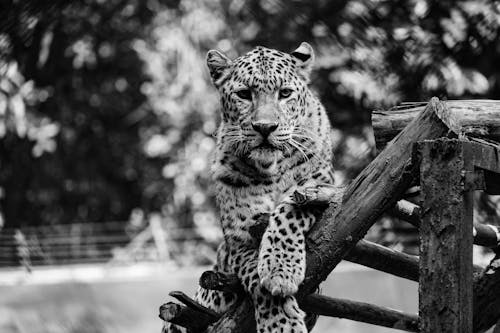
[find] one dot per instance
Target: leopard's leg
(282, 256)
(272, 313)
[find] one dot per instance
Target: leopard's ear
(304, 56)
(220, 66)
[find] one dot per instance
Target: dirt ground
(102, 299)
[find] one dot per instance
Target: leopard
(274, 138)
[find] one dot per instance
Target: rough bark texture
(479, 118)
(445, 287)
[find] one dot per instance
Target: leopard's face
(264, 102)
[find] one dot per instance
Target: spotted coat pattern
(274, 138)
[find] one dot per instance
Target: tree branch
(384, 259)
(360, 311)
(183, 316)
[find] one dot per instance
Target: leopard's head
(264, 97)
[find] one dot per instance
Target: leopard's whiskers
(307, 149)
(297, 146)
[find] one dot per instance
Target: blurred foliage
(106, 106)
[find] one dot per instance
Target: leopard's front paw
(277, 275)
(279, 285)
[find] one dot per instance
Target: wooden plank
(485, 155)
(479, 118)
(445, 288)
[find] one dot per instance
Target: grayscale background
(107, 117)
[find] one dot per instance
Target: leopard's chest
(243, 210)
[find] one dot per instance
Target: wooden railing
(433, 150)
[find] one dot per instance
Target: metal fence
(106, 242)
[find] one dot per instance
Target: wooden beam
(478, 118)
(360, 311)
(486, 158)
(384, 259)
(484, 154)
(445, 289)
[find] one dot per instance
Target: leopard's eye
(244, 94)
(285, 93)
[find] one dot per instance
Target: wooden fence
(446, 148)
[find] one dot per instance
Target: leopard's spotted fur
(274, 137)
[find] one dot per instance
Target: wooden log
(184, 316)
(486, 297)
(445, 287)
(479, 118)
(360, 311)
(384, 259)
(400, 264)
(220, 281)
(191, 303)
(406, 211)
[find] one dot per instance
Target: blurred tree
(106, 106)
(69, 80)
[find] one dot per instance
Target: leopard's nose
(264, 128)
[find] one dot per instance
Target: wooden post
(445, 287)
